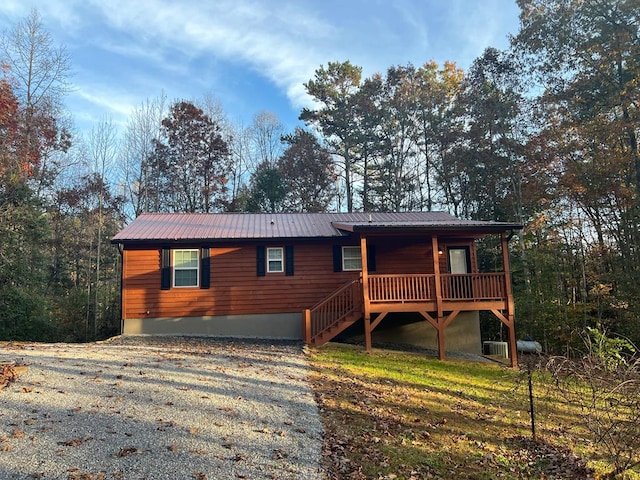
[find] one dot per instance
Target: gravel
(159, 408)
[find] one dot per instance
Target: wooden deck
(418, 292)
(404, 293)
(438, 297)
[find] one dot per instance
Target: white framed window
(185, 268)
(351, 259)
(275, 260)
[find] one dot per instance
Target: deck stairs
(335, 313)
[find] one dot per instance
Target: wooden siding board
(235, 288)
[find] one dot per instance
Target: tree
(139, 177)
(193, 161)
(11, 163)
(267, 132)
(393, 179)
(438, 90)
(83, 285)
(40, 71)
(24, 231)
(581, 56)
(368, 118)
(103, 149)
(586, 53)
(490, 105)
(254, 147)
(307, 170)
(268, 190)
(335, 88)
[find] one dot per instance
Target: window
(185, 268)
(459, 260)
(275, 260)
(351, 258)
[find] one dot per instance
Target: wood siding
(236, 289)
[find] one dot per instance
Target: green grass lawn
(405, 415)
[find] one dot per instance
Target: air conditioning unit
(497, 349)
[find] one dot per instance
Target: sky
(251, 55)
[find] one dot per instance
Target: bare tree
(139, 176)
(103, 150)
(242, 166)
(252, 148)
(267, 132)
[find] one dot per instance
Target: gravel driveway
(159, 408)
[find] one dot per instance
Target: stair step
(328, 334)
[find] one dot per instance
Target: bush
(605, 384)
(23, 316)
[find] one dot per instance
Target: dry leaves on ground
(9, 373)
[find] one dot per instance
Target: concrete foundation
(277, 326)
(462, 334)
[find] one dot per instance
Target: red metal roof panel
(228, 226)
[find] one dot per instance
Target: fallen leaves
(146, 419)
(75, 442)
(279, 454)
(76, 475)
(9, 373)
(386, 427)
(126, 451)
(5, 446)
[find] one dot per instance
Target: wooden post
(440, 314)
(365, 293)
(513, 344)
(306, 326)
(436, 271)
(510, 306)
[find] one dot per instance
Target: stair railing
(332, 310)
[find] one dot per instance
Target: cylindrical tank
(528, 346)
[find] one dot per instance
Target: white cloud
(112, 101)
(141, 47)
(284, 45)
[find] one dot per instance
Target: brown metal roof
(172, 227)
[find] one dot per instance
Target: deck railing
(335, 308)
(410, 288)
(473, 286)
(402, 288)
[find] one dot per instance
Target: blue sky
(251, 55)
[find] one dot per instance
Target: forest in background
(544, 134)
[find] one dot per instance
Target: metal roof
(183, 227)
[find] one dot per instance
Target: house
(310, 276)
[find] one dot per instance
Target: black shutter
(288, 259)
(337, 258)
(260, 261)
(205, 268)
(371, 258)
(165, 268)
